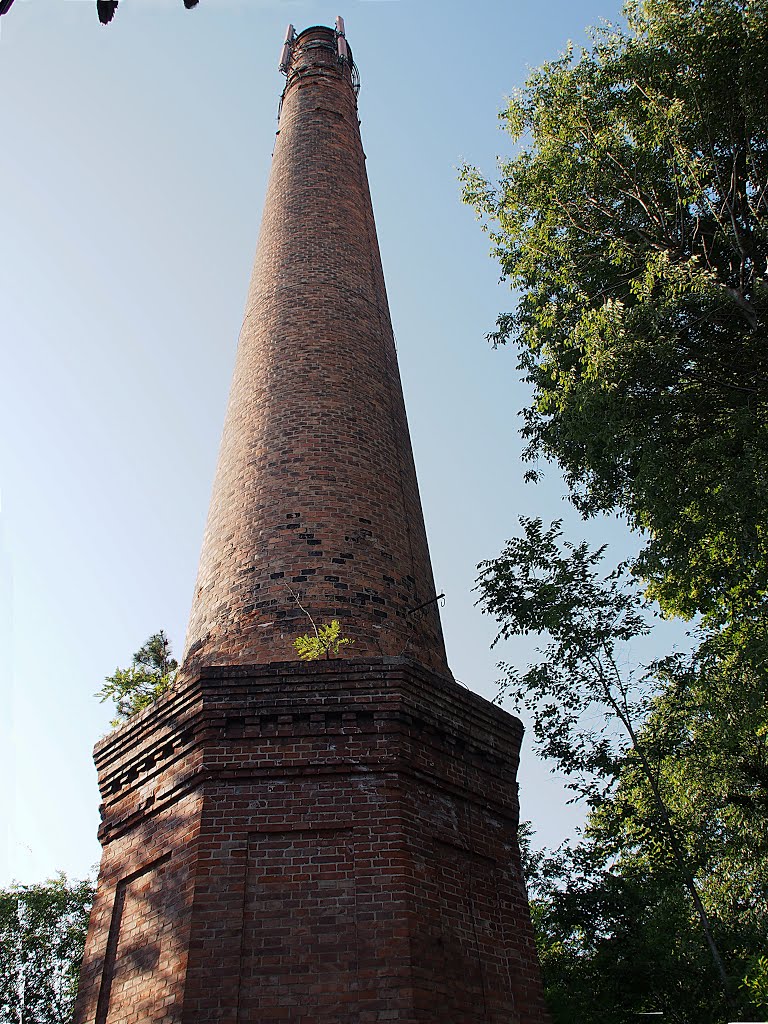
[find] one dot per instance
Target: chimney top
(318, 48)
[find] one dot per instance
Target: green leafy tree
(707, 729)
(631, 220)
(151, 674)
(756, 982)
(633, 223)
(671, 757)
(616, 942)
(326, 642)
(42, 937)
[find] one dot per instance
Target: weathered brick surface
(138, 937)
(315, 490)
(318, 844)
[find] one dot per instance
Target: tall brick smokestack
(315, 508)
(332, 842)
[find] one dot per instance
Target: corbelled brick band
(315, 495)
(317, 844)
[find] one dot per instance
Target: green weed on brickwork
(324, 644)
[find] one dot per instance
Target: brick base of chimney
(321, 843)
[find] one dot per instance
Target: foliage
(576, 694)
(151, 674)
(633, 221)
(42, 937)
(326, 642)
(707, 733)
(756, 982)
(615, 942)
(705, 738)
(668, 894)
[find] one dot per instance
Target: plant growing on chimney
(324, 644)
(326, 641)
(151, 674)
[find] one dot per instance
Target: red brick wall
(320, 844)
(138, 937)
(137, 948)
(308, 877)
(315, 490)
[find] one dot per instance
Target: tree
(42, 937)
(615, 944)
(104, 8)
(326, 639)
(667, 895)
(151, 674)
(598, 718)
(633, 221)
(615, 941)
(615, 930)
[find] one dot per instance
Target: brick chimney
(315, 509)
(331, 842)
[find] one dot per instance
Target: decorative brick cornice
(290, 718)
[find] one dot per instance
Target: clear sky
(133, 166)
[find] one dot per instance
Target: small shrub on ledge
(151, 674)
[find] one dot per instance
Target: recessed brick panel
(145, 954)
(138, 936)
(300, 948)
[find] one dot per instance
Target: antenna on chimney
(341, 41)
(287, 51)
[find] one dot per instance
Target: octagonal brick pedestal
(320, 843)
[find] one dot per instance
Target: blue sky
(133, 166)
